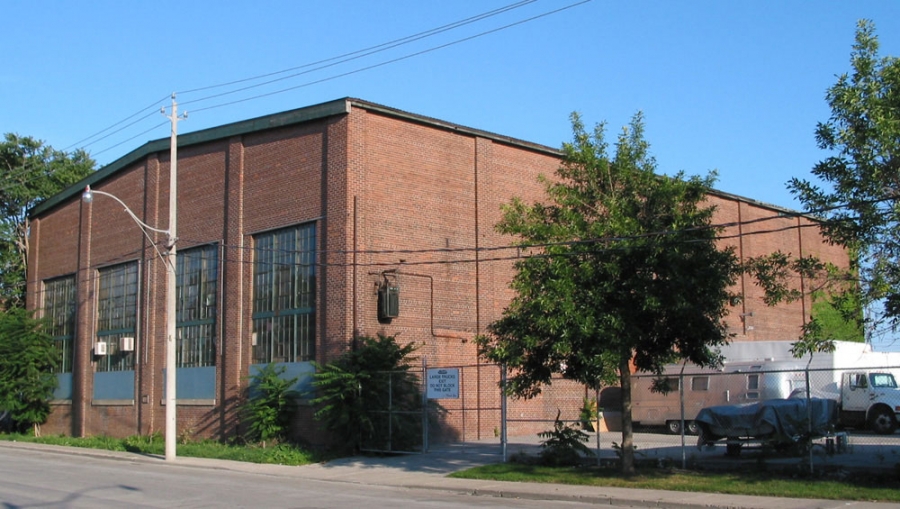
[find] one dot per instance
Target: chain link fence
(776, 411)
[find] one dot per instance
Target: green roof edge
(306, 114)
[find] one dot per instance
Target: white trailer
(758, 371)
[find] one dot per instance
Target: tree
(836, 313)
(27, 360)
(859, 195)
(366, 387)
(32, 172)
(625, 273)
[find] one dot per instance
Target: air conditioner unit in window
(126, 344)
(100, 348)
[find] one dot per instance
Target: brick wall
(391, 195)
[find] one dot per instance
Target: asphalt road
(32, 479)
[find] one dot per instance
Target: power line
(111, 131)
(337, 59)
(370, 50)
(518, 248)
(375, 66)
(154, 104)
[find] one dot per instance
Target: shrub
(368, 398)
(269, 406)
(563, 445)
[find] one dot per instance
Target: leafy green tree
(27, 360)
(857, 192)
(365, 396)
(31, 172)
(625, 273)
(269, 405)
(836, 313)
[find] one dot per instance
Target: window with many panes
(284, 289)
(197, 286)
(59, 311)
(116, 315)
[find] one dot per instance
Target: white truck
(868, 399)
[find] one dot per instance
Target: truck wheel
(693, 428)
(883, 422)
(673, 427)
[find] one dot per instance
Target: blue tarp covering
(780, 420)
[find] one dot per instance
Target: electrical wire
(341, 59)
(363, 69)
(371, 49)
(518, 248)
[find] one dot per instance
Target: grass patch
(838, 486)
(282, 454)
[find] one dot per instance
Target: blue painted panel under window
(63, 386)
(114, 385)
(303, 371)
(195, 383)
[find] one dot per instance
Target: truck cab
(870, 399)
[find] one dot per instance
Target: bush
(269, 406)
(368, 398)
(563, 445)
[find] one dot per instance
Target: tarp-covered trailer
(776, 422)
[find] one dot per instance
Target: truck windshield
(883, 380)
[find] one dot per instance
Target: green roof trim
(309, 114)
(286, 118)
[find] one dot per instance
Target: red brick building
(288, 227)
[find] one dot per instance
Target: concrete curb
(373, 472)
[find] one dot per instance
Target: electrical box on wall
(388, 302)
(100, 348)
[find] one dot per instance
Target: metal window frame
(284, 285)
(118, 290)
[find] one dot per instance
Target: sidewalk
(429, 471)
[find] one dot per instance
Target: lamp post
(169, 259)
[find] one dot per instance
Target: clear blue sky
(733, 86)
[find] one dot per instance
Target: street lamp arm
(88, 197)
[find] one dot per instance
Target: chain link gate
(395, 402)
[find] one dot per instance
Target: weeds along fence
(783, 412)
(769, 412)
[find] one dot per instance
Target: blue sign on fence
(443, 383)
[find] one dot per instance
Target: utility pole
(171, 303)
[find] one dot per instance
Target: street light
(169, 260)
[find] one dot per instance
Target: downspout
(803, 311)
(743, 314)
(477, 302)
(139, 336)
(355, 303)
